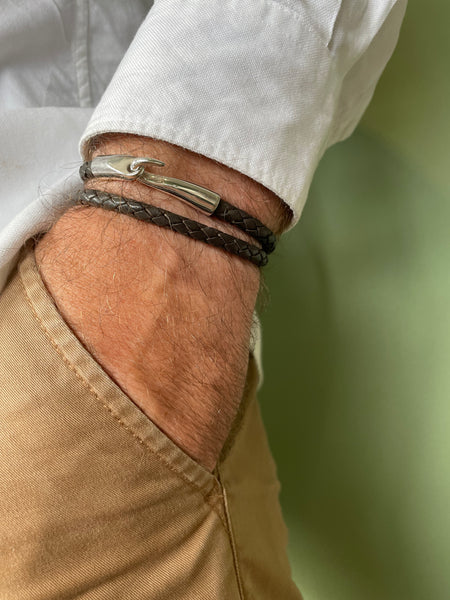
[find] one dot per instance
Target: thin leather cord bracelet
(133, 168)
(178, 223)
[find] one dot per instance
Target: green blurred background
(357, 343)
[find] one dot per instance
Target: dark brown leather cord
(178, 223)
(226, 212)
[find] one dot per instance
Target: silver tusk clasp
(134, 168)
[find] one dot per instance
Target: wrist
(234, 187)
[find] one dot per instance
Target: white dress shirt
(263, 86)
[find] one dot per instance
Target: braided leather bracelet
(183, 225)
(133, 168)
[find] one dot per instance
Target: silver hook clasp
(119, 165)
(133, 168)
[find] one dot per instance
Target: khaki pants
(97, 503)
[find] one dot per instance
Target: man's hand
(167, 317)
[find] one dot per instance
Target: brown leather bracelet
(164, 218)
(129, 167)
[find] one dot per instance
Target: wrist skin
(167, 317)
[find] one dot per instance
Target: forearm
(167, 317)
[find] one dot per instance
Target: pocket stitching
(208, 497)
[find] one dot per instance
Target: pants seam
(233, 544)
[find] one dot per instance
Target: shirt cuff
(253, 85)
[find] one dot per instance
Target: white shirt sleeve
(263, 87)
